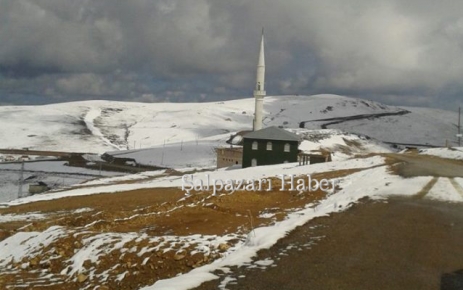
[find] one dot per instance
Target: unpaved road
(406, 243)
(337, 120)
(412, 165)
(401, 244)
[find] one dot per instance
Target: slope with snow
(56, 174)
(422, 126)
(99, 126)
(183, 154)
(201, 154)
(450, 153)
(342, 144)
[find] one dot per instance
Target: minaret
(259, 92)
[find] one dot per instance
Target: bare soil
(411, 165)
(154, 212)
(398, 244)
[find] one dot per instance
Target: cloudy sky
(401, 52)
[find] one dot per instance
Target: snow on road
(444, 190)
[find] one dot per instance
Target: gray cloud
(396, 51)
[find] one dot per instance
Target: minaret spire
(259, 92)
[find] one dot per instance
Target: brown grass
(156, 212)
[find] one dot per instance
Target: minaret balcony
(259, 93)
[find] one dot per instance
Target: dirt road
(412, 165)
(337, 120)
(401, 244)
(406, 243)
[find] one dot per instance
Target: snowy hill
(201, 153)
(100, 126)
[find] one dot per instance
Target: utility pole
(459, 127)
(21, 178)
(163, 147)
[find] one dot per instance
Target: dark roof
(272, 133)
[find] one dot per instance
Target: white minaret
(259, 92)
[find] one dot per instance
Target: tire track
(425, 190)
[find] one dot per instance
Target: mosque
(266, 146)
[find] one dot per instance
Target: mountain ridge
(99, 126)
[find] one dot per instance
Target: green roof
(272, 133)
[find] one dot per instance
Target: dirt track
(408, 243)
(412, 165)
(402, 244)
(337, 120)
(38, 152)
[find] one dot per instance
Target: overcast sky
(407, 52)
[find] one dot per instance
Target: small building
(233, 155)
(269, 146)
(311, 158)
(24, 158)
(229, 156)
(10, 158)
(38, 187)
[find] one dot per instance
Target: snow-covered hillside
(201, 154)
(450, 153)
(100, 126)
(420, 126)
(56, 174)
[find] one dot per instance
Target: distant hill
(100, 126)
